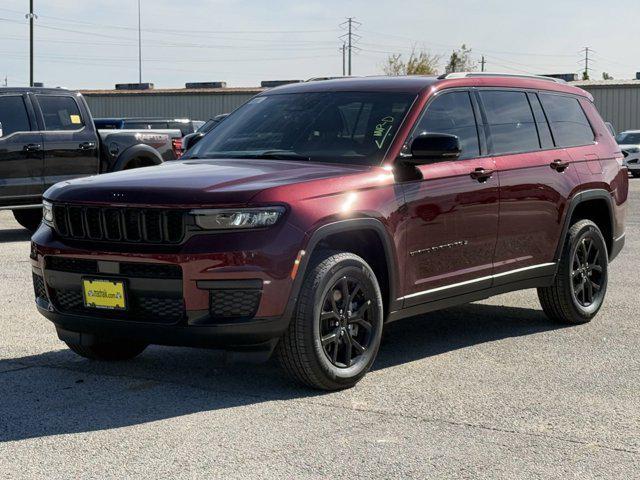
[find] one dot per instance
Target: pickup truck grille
(139, 225)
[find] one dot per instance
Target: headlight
(240, 218)
(633, 150)
(47, 213)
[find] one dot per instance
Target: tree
(585, 75)
(606, 76)
(460, 61)
(419, 63)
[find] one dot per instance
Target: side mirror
(1, 133)
(190, 140)
(434, 147)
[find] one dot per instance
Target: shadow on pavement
(14, 235)
(58, 393)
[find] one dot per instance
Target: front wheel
(29, 218)
(581, 282)
(108, 351)
(334, 336)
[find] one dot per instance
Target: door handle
(87, 146)
(481, 174)
(558, 165)
(32, 147)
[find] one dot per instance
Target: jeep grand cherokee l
(318, 212)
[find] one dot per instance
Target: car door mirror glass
(190, 140)
(434, 147)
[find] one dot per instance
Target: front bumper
(201, 294)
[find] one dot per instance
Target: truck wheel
(107, 351)
(29, 218)
(581, 282)
(334, 335)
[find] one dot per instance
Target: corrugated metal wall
(619, 105)
(194, 106)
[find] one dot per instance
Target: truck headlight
(47, 213)
(239, 218)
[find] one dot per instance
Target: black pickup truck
(48, 135)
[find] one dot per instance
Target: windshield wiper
(278, 155)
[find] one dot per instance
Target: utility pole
(139, 44)
(482, 64)
(344, 59)
(585, 74)
(351, 24)
(31, 17)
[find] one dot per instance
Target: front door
(452, 212)
(70, 144)
(21, 156)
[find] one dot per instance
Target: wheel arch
(145, 152)
(595, 205)
(332, 236)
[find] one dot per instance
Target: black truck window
(60, 113)
(13, 115)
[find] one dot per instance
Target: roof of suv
(416, 83)
(34, 90)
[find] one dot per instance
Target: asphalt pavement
(486, 390)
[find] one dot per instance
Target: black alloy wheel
(346, 323)
(587, 272)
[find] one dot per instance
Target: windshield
(628, 138)
(341, 127)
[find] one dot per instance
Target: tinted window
(569, 124)
(60, 113)
(452, 113)
(13, 115)
(544, 132)
(341, 127)
(511, 123)
(626, 138)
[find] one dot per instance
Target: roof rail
(448, 76)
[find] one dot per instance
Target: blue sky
(82, 44)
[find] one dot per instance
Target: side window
(511, 123)
(13, 115)
(546, 140)
(569, 124)
(452, 113)
(60, 113)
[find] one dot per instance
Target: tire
(108, 351)
(29, 218)
(319, 352)
(567, 300)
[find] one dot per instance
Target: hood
(629, 146)
(194, 182)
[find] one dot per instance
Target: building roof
(176, 91)
(606, 83)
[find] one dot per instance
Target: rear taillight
(176, 143)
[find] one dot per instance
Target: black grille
(234, 304)
(132, 270)
(141, 309)
(73, 265)
(38, 286)
(119, 224)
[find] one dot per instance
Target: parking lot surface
(488, 390)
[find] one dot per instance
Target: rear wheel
(334, 337)
(108, 351)
(581, 282)
(28, 218)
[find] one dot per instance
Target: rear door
(536, 178)
(70, 140)
(452, 210)
(21, 155)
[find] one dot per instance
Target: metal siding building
(617, 100)
(200, 104)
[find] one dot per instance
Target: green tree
(419, 63)
(460, 61)
(606, 76)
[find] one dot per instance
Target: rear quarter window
(568, 122)
(60, 113)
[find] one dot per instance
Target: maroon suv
(318, 212)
